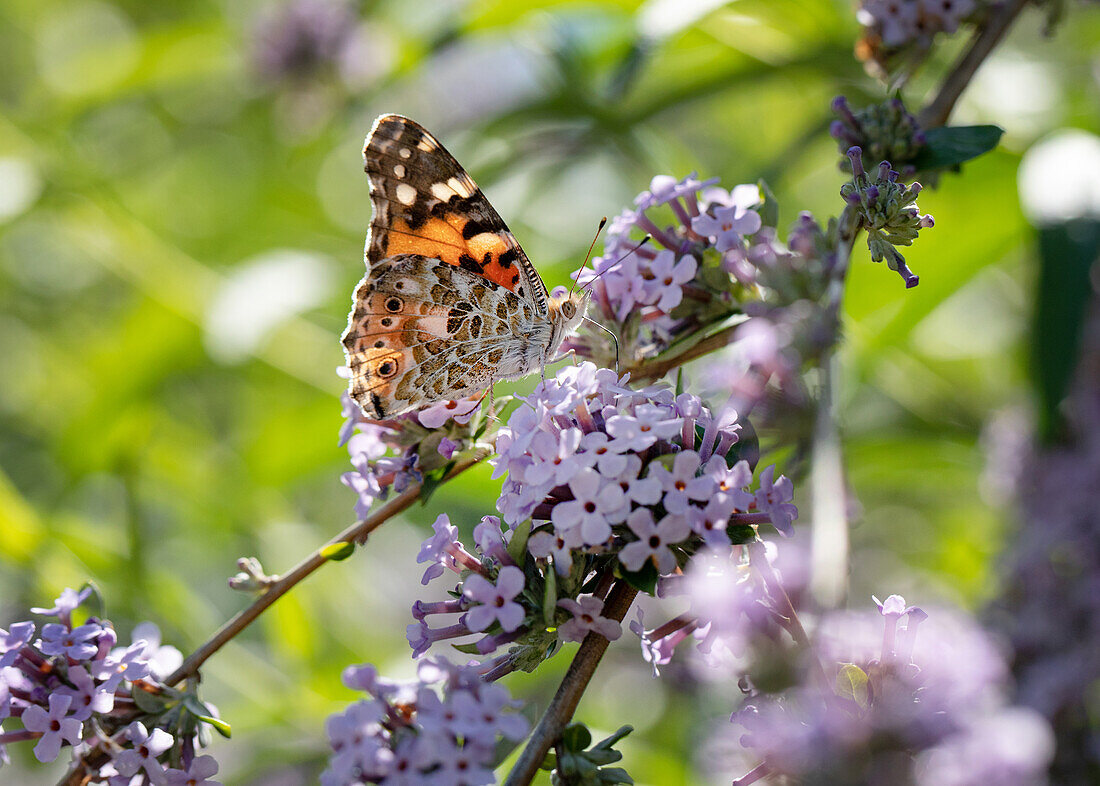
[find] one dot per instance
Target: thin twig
(355, 533)
(985, 40)
(655, 369)
(572, 687)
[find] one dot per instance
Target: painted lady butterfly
(450, 303)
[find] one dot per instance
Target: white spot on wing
(406, 194)
(442, 191)
(399, 170)
(405, 152)
(459, 187)
(426, 145)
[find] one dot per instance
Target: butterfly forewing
(425, 203)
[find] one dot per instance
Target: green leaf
(952, 145)
(644, 580)
(615, 775)
(1066, 254)
(550, 597)
(469, 649)
(576, 737)
(622, 732)
(769, 211)
(147, 702)
(433, 480)
(337, 551)
(740, 533)
(517, 546)
(851, 683)
(219, 725)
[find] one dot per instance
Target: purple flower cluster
(395, 453)
(70, 685)
(650, 294)
(882, 704)
(303, 39)
(442, 729)
(1050, 606)
(595, 473)
(900, 23)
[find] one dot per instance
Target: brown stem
(572, 687)
(356, 533)
(655, 369)
(985, 39)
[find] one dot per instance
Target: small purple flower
(648, 424)
(726, 225)
(554, 457)
(198, 774)
(437, 549)
(437, 415)
(495, 601)
(63, 607)
(86, 695)
(78, 643)
(559, 544)
(605, 453)
(13, 640)
(587, 618)
(143, 756)
(129, 664)
(653, 540)
(641, 491)
(680, 484)
(732, 481)
(665, 276)
(447, 448)
(596, 505)
(54, 726)
(774, 499)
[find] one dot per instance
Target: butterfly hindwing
(422, 332)
(425, 203)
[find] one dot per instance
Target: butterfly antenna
(592, 245)
(641, 243)
(613, 338)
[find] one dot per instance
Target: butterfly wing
(425, 203)
(422, 332)
(450, 302)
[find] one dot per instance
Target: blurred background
(182, 212)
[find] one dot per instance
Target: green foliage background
(153, 176)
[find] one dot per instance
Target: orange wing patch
(425, 203)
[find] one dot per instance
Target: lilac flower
(665, 276)
(301, 39)
(54, 726)
(162, 660)
(596, 504)
(87, 697)
(653, 540)
(129, 664)
(608, 455)
(436, 415)
(586, 619)
(143, 756)
(680, 484)
(13, 640)
(725, 225)
(559, 545)
(495, 601)
(774, 499)
(442, 729)
(66, 602)
(198, 774)
(438, 549)
(78, 643)
(648, 424)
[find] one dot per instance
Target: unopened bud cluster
(885, 131)
(887, 210)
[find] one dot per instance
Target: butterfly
(450, 303)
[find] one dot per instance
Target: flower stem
(984, 41)
(560, 710)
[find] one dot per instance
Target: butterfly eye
(386, 369)
(393, 304)
(568, 309)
